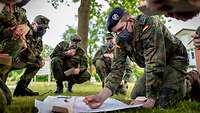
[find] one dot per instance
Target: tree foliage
(97, 24)
(47, 50)
(70, 31)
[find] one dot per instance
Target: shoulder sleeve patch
(145, 27)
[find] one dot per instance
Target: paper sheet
(76, 105)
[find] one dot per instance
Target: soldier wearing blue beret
(148, 43)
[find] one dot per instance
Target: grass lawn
(26, 104)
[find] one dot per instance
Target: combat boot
(69, 88)
(59, 88)
(23, 90)
(29, 92)
(193, 77)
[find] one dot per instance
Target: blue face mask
(40, 31)
(125, 35)
(110, 45)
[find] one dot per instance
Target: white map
(75, 104)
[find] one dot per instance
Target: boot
(28, 91)
(194, 91)
(23, 90)
(59, 88)
(69, 88)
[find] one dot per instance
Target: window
(192, 54)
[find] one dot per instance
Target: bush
(16, 74)
(42, 78)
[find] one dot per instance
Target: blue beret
(114, 17)
(22, 3)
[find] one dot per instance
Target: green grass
(26, 104)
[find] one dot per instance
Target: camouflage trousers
(31, 69)
(102, 70)
(58, 72)
(12, 48)
(171, 91)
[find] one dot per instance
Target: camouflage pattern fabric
(192, 85)
(29, 58)
(103, 68)
(155, 49)
(8, 20)
(3, 101)
(60, 63)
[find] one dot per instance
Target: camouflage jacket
(99, 54)
(35, 47)
(8, 19)
(153, 48)
(79, 58)
(103, 50)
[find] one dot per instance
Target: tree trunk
(83, 22)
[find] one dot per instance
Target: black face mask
(125, 35)
(40, 31)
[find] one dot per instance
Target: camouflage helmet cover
(75, 38)
(42, 21)
(109, 36)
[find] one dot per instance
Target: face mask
(125, 35)
(40, 31)
(110, 45)
(73, 45)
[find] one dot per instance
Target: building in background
(185, 36)
(183, 30)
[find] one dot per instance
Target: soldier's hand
(196, 40)
(149, 103)
(70, 52)
(108, 55)
(195, 2)
(159, 5)
(138, 100)
(182, 15)
(20, 31)
(76, 71)
(163, 5)
(93, 101)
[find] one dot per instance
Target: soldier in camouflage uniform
(13, 21)
(13, 28)
(148, 43)
(30, 57)
(69, 63)
(103, 59)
